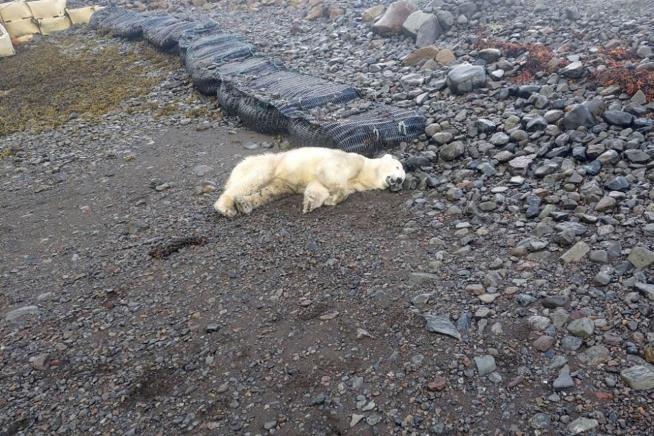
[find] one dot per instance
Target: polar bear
(325, 176)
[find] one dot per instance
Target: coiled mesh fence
(267, 97)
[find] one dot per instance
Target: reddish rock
(438, 384)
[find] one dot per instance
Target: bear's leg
(249, 176)
(225, 205)
(272, 191)
(337, 197)
(315, 195)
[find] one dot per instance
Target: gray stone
(639, 377)
(445, 19)
(538, 323)
(419, 278)
(571, 343)
(641, 257)
(442, 137)
(466, 77)
(581, 425)
(579, 115)
(429, 32)
(646, 290)
(574, 70)
(499, 139)
(202, 170)
(490, 55)
(441, 324)
(594, 356)
(520, 164)
(582, 327)
(414, 22)
(564, 380)
(637, 156)
(452, 151)
(576, 253)
(21, 312)
(618, 118)
(540, 421)
(485, 364)
(619, 183)
(639, 97)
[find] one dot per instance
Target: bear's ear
(387, 156)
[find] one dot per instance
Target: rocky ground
(511, 292)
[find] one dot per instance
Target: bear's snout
(394, 183)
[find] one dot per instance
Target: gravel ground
(513, 296)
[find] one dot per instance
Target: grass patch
(621, 71)
(52, 79)
(539, 58)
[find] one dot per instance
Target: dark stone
(619, 183)
(580, 115)
(619, 118)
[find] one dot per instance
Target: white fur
(322, 175)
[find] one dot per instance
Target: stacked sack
(266, 96)
(18, 20)
(22, 19)
(50, 15)
(6, 46)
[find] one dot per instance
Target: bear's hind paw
(243, 206)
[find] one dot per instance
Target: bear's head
(390, 171)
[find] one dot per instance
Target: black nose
(398, 180)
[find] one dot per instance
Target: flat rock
(576, 252)
(520, 164)
(594, 356)
(441, 324)
(21, 312)
(582, 425)
(638, 377)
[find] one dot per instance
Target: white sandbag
(81, 15)
(55, 24)
(14, 11)
(18, 28)
(18, 40)
(47, 8)
(6, 47)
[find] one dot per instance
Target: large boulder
(465, 77)
(414, 22)
(394, 17)
(579, 115)
(429, 32)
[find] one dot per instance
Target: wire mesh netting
(266, 103)
(375, 128)
(267, 98)
(207, 80)
(167, 37)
